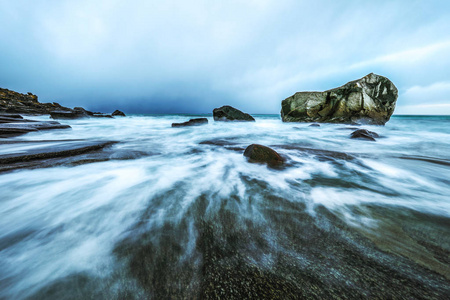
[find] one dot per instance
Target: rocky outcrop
(229, 113)
(364, 134)
(369, 100)
(118, 113)
(76, 113)
(16, 103)
(13, 102)
(262, 154)
(191, 122)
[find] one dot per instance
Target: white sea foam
(60, 220)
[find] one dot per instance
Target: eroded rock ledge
(369, 100)
(16, 103)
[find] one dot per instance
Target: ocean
(179, 213)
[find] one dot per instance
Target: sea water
(137, 227)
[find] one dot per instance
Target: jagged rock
(13, 102)
(229, 113)
(369, 100)
(262, 154)
(191, 122)
(118, 113)
(364, 134)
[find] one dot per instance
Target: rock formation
(13, 102)
(369, 100)
(191, 122)
(118, 113)
(262, 154)
(229, 113)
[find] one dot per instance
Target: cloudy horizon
(193, 56)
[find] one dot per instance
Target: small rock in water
(229, 113)
(364, 134)
(192, 122)
(118, 113)
(262, 154)
(314, 125)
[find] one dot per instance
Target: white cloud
(197, 54)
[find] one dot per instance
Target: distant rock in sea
(118, 113)
(229, 113)
(191, 122)
(369, 100)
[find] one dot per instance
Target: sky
(192, 56)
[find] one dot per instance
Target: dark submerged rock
(369, 100)
(314, 125)
(223, 143)
(364, 134)
(262, 154)
(229, 113)
(320, 154)
(118, 113)
(192, 122)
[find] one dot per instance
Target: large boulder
(369, 100)
(262, 154)
(229, 113)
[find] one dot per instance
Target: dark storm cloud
(192, 56)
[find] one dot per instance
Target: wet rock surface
(39, 154)
(261, 154)
(229, 113)
(227, 144)
(321, 154)
(192, 122)
(369, 100)
(308, 257)
(364, 134)
(10, 127)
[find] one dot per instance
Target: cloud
(191, 56)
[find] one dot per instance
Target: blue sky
(192, 56)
